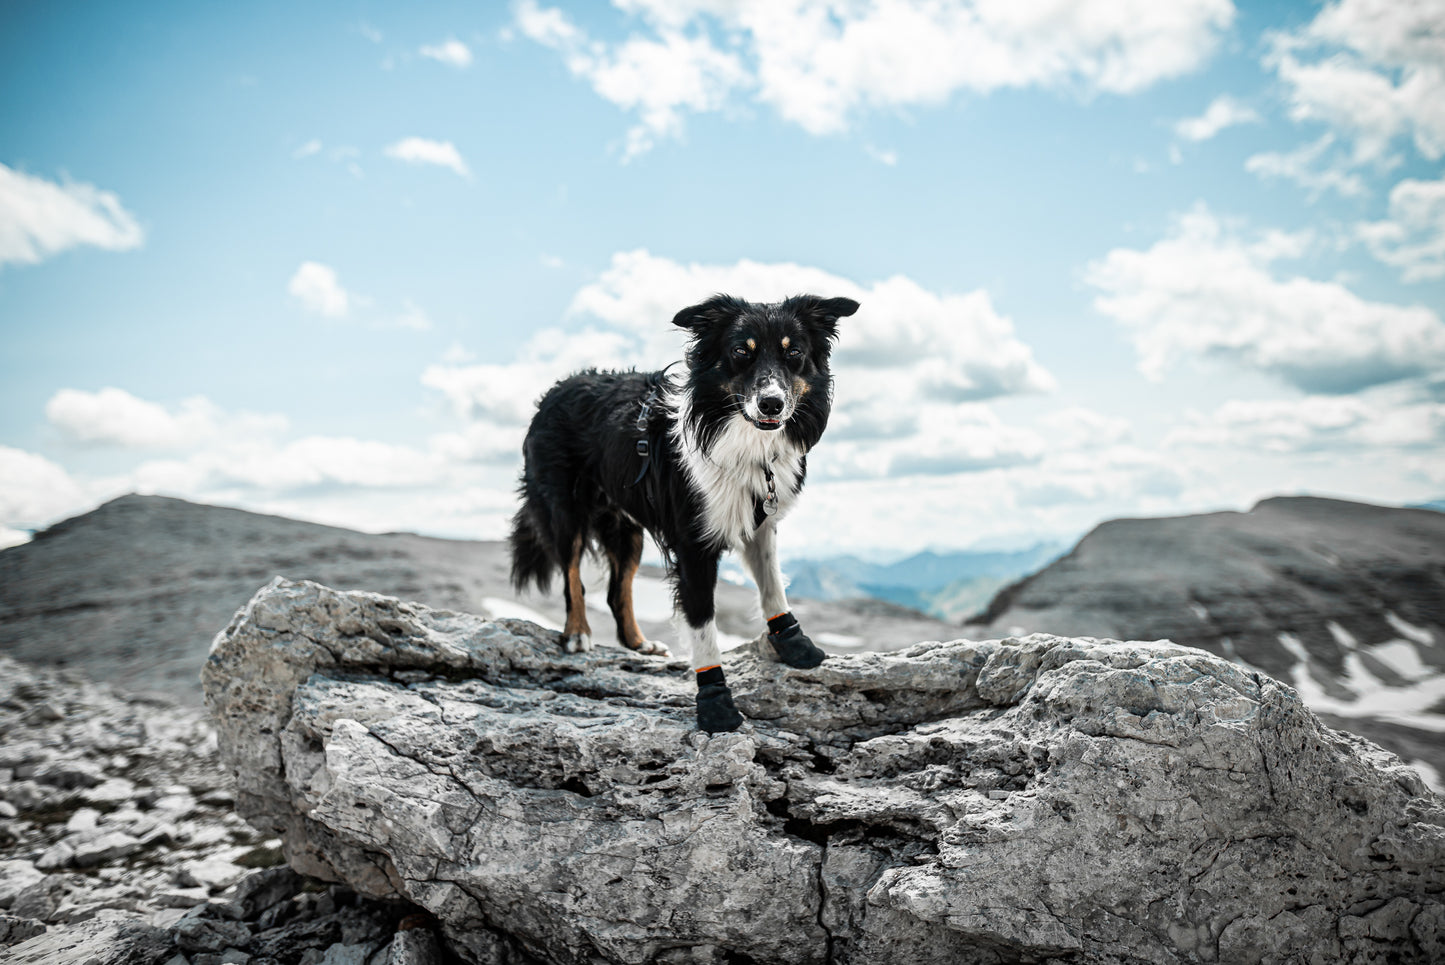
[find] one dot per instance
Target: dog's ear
(716, 309)
(822, 313)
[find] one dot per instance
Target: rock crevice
(1013, 800)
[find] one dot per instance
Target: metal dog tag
(770, 504)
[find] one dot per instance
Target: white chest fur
(731, 477)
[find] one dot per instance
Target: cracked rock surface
(1001, 801)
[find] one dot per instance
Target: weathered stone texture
(1015, 800)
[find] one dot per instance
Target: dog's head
(766, 359)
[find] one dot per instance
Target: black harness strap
(644, 416)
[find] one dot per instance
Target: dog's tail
(531, 563)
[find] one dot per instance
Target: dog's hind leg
(790, 643)
(622, 541)
(576, 634)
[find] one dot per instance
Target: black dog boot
(793, 646)
(715, 709)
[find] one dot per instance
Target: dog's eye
(741, 351)
(795, 353)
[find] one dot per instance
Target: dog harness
(644, 415)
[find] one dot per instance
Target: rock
(182, 897)
(95, 943)
(969, 802)
(115, 790)
(16, 877)
(8, 810)
(229, 956)
(212, 873)
(257, 892)
(416, 945)
(14, 930)
(68, 774)
(86, 819)
(40, 899)
(197, 933)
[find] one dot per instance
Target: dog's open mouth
(767, 423)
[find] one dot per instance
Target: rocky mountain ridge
(132, 593)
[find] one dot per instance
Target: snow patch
(1409, 631)
(1403, 705)
(1402, 657)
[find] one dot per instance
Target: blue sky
(1113, 258)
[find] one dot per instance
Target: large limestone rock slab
(1015, 800)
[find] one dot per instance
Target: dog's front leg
(696, 586)
(761, 556)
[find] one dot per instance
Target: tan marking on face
(787, 340)
(801, 387)
(752, 345)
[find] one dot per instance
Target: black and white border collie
(707, 464)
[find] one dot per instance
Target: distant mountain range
(134, 591)
(949, 586)
(1343, 600)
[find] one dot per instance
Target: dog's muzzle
(768, 413)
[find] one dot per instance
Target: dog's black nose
(770, 405)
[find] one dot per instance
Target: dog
(704, 465)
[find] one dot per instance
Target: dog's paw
(716, 711)
(577, 642)
(652, 649)
(795, 649)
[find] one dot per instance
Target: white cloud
(821, 63)
(311, 147)
(319, 290)
(33, 492)
(1377, 423)
(419, 150)
(658, 79)
(1224, 111)
(1412, 239)
(1206, 292)
(911, 366)
(1301, 167)
(451, 51)
(954, 347)
(39, 218)
(1371, 69)
(114, 417)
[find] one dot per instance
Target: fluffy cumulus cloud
(1224, 111)
(318, 289)
(40, 218)
(1374, 70)
(1412, 238)
(451, 51)
(918, 362)
(819, 63)
(114, 417)
(1206, 291)
(419, 150)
